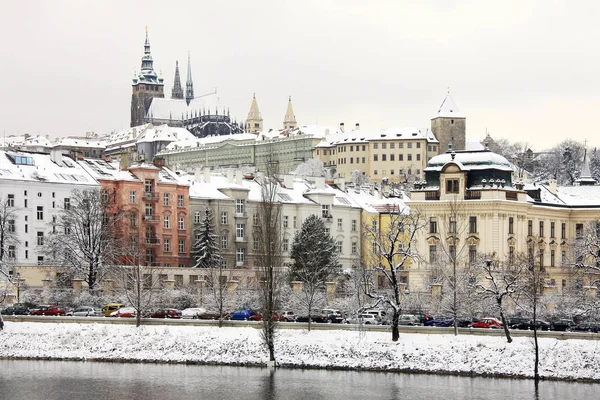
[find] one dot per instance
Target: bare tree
(315, 261)
(8, 244)
(499, 282)
(312, 167)
(85, 238)
(268, 256)
(392, 249)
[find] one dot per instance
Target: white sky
(525, 70)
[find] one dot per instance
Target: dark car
(315, 317)
(518, 323)
(440, 322)
(170, 313)
(586, 327)
(333, 316)
(242, 314)
(539, 325)
(563, 325)
(16, 310)
(53, 311)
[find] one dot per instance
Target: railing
(151, 218)
(241, 239)
(432, 195)
(472, 195)
(511, 196)
(241, 215)
(151, 196)
(327, 218)
(153, 241)
(239, 263)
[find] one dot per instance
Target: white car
(366, 319)
(192, 313)
(87, 311)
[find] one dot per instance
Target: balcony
(152, 241)
(151, 196)
(151, 218)
(327, 218)
(241, 214)
(239, 263)
(472, 195)
(432, 195)
(241, 239)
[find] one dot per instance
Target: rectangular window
(552, 258)
(240, 256)
(392, 157)
(224, 242)
(433, 225)
(529, 228)
(256, 242)
(409, 157)
(180, 200)
(40, 238)
(401, 157)
(452, 252)
(541, 259)
(339, 245)
(239, 207)
(12, 253)
(167, 222)
(197, 217)
(339, 224)
(40, 213)
(286, 221)
(255, 219)
(511, 225)
(25, 203)
(353, 225)
(11, 200)
(541, 228)
(452, 186)
(375, 157)
(181, 223)
(552, 229)
(67, 203)
(563, 231)
(374, 225)
(148, 186)
(149, 211)
(354, 248)
(432, 253)
(563, 259)
(511, 255)
(167, 245)
(182, 245)
(578, 231)
(418, 157)
(452, 224)
(325, 211)
(239, 231)
(104, 196)
(295, 222)
(409, 145)
(472, 224)
(392, 145)
(224, 218)
(166, 199)
(133, 220)
(472, 254)
(286, 245)
(384, 157)
(132, 197)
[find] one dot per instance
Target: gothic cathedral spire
(289, 121)
(177, 92)
(146, 85)
(189, 85)
(254, 122)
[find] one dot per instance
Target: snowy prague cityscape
(334, 199)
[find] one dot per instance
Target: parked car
(109, 308)
(366, 319)
(87, 311)
(192, 313)
(170, 313)
(380, 314)
(423, 318)
(333, 316)
(124, 312)
(315, 317)
(440, 322)
(53, 311)
(16, 310)
(490, 323)
(242, 314)
(214, 315)
(518, 323)
(586, 327)
(409, 319)
(287, 316)
(563, 325)
(259, 317)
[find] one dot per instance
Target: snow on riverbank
(481, 355)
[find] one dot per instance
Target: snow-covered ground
(481, 355)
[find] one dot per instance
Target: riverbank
(462, 355)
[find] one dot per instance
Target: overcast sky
(523, 70)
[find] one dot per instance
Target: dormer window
(451, 185)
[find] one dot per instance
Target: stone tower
(449, 126)
(254, 121)
(189, 85)
(146, 85)
(289, 121)
(177, 92)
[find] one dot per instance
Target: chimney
(198, 174)
(320, 182)
(340, 183)
(229, 176)
(206, 174)
(288, 181)
(56, 156)
(342, 127)
(552, 186)
(357, 127)
(238, 177)
(124, 163)
(159, 162)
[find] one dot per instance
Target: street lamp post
(18, 277)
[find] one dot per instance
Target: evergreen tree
(206, 252)
(315, 259)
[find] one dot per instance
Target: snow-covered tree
(312, 167)
(315, 260)
(8, 244)
(563, 162)
(206, 252)
(86, 238)
(359, 178)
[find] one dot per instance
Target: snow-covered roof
(473, 144)
(164, 109)
(470, 160)
(25, 141)
(130, 135)
(576, 196)
(55, 168)
(376, 203)
(73, 141)
(364, 136)
(165, 133)
(105, 170)
(448, 109)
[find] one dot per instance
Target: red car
(53, 311)
(258, 317)
(492, 323)
(164, 313)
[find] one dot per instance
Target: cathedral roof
(165, 109)
(448, 109)
(165, 133)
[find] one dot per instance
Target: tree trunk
(504, 325)
(395, 330)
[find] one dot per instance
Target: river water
(66, 380)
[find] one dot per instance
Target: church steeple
(289, 121)
(189, 85)
(145, 86)
(177, 92)
(585, 179)
(254, 122)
